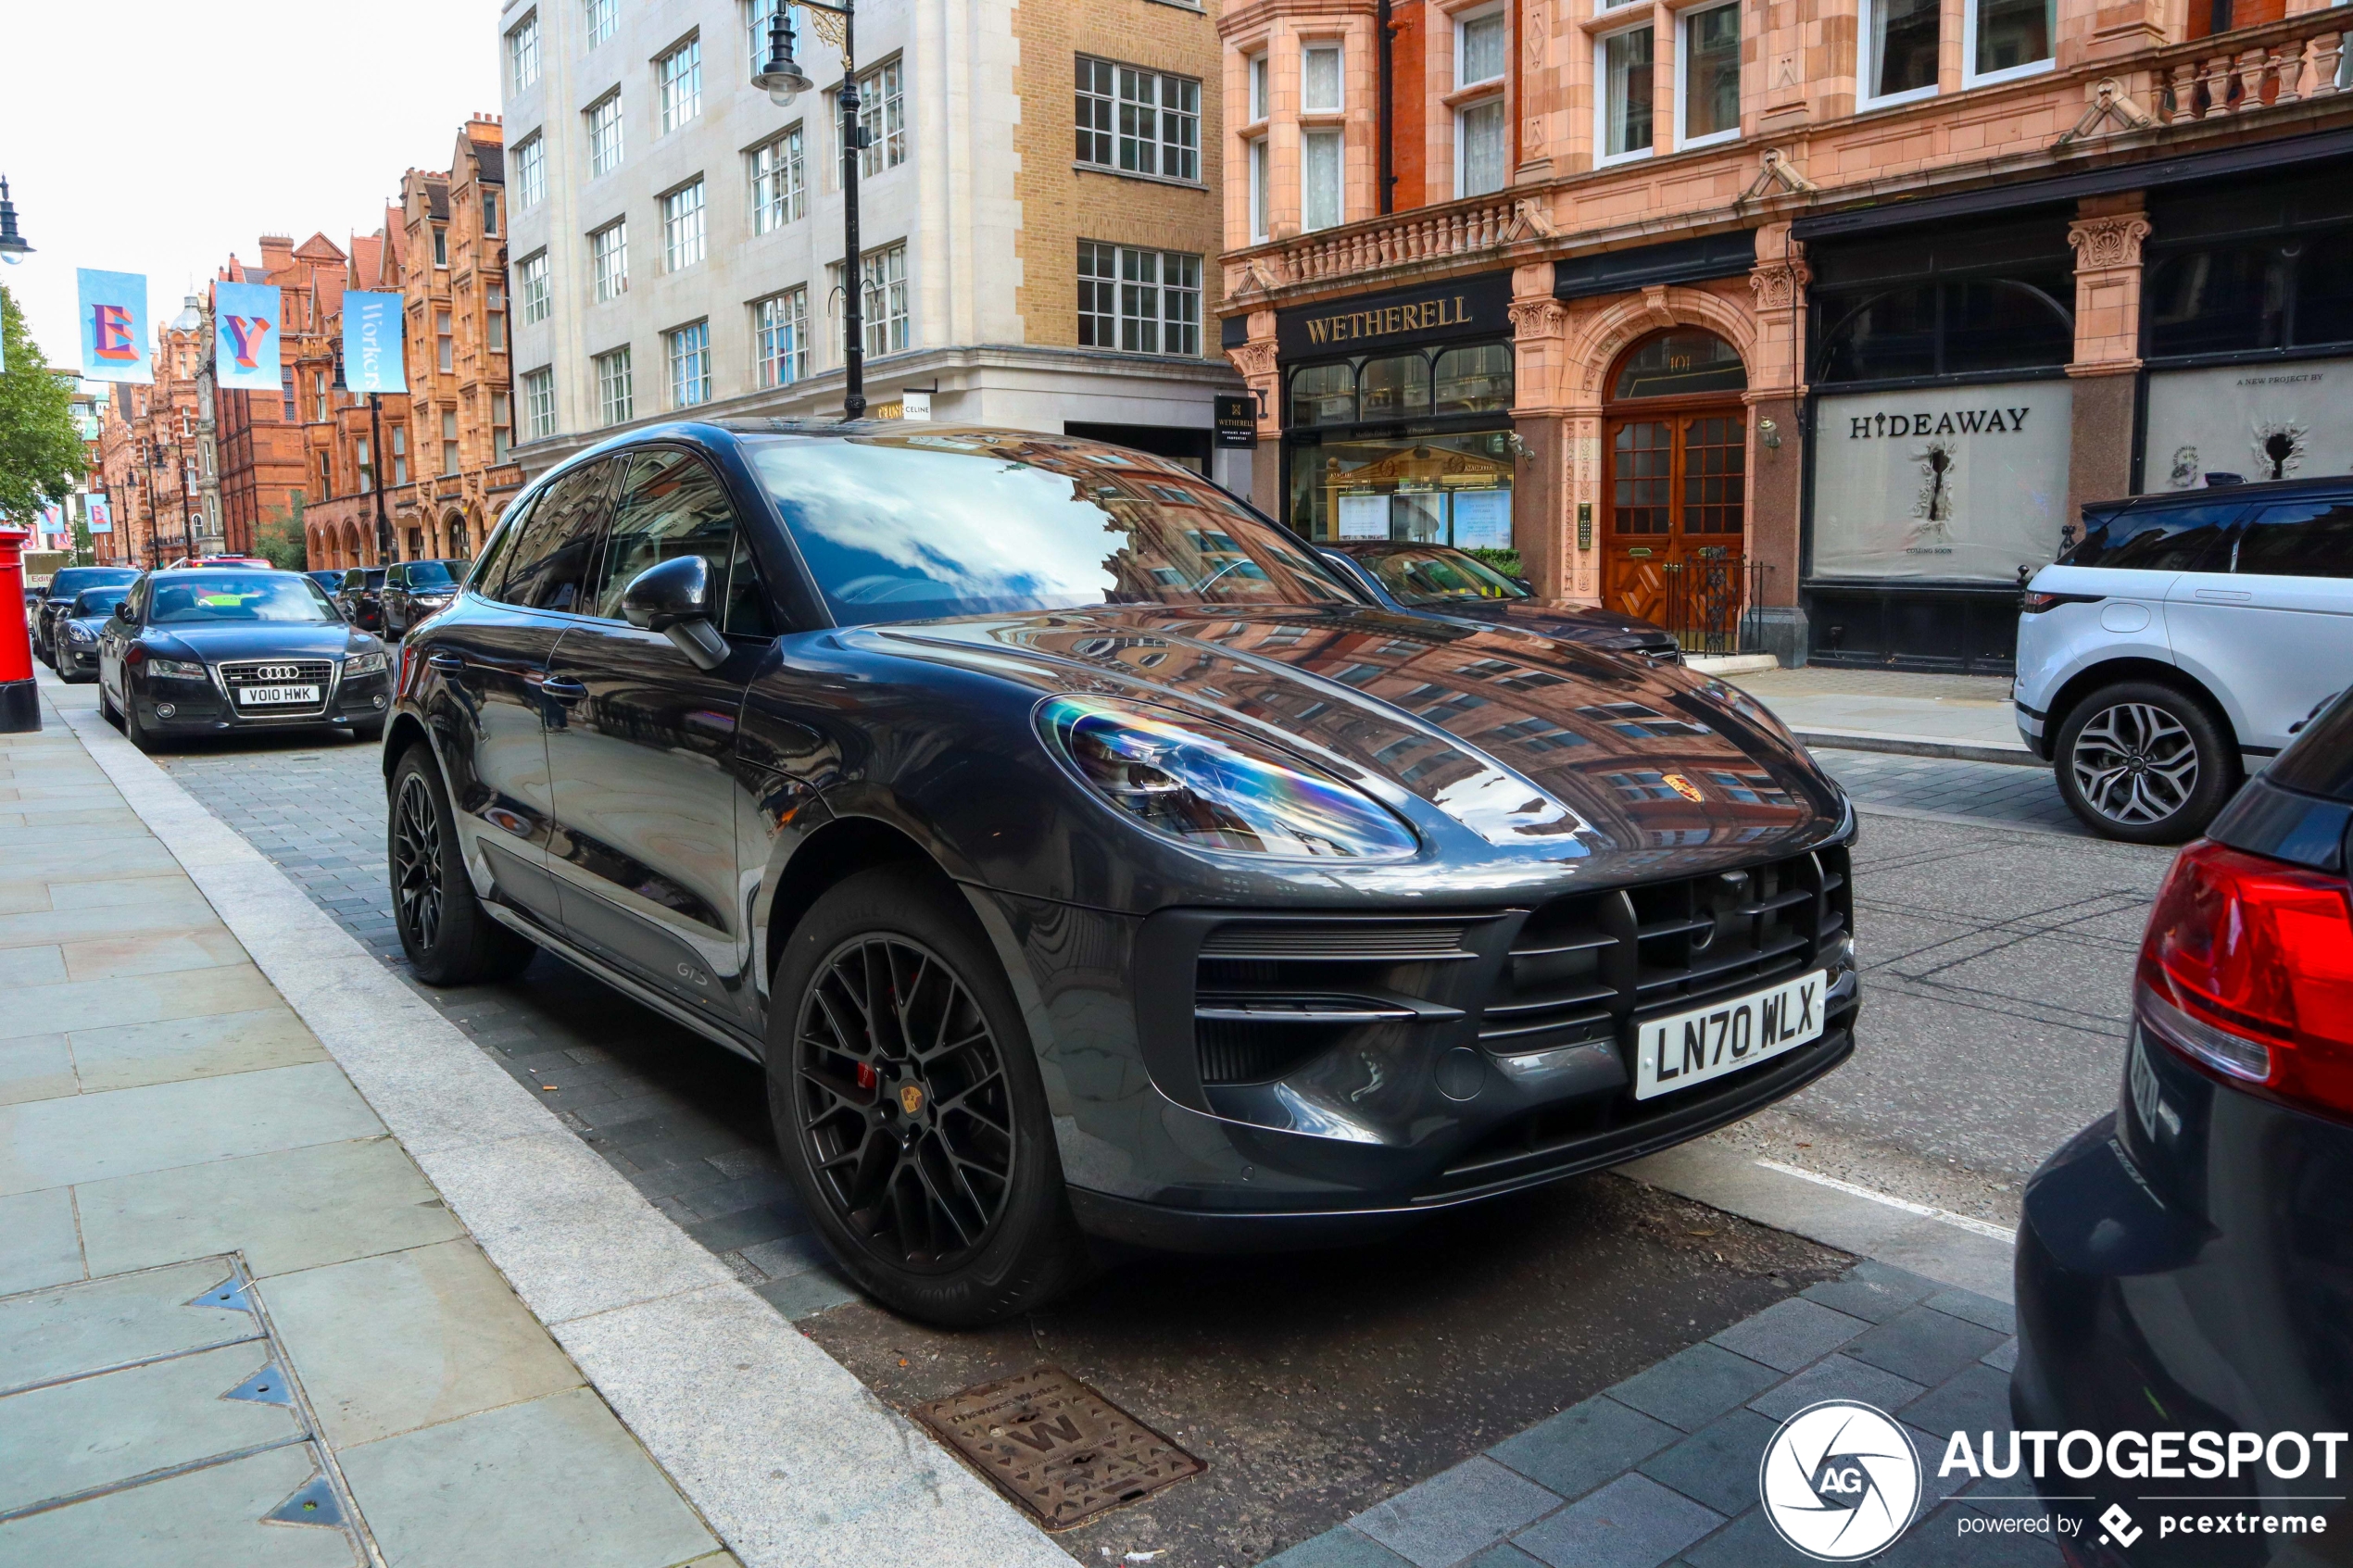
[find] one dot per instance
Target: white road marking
(1980, 1227)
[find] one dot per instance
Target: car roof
(2322, 485)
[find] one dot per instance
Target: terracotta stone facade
(2027, 200)
(150, 463)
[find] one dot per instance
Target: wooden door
(1673, 503)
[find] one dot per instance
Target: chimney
(277, 253)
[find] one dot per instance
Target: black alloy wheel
(450, 939)
(908, 1106)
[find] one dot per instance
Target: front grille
(319, 673)
(1271, 994)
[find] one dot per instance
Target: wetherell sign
(1460, 308)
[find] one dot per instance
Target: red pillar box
(19, 699)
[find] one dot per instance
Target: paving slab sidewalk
(289, 1275)
(1966, 716)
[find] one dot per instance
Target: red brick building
(264, 470)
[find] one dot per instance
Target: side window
(354, 580)
(676, 506)
(2310, 538)
(551, 559)
(485, 577)
(746, 613)
(2172, 539)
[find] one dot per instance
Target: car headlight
(364, 664)
(78, 632)
(1216, 790)
(178, 669)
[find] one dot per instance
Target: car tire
(996, 1240)
(136, 732)
(2145, 763)
(449, 937)
(107, 710)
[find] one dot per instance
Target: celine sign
(1459, 307)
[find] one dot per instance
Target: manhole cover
(1056, 1447)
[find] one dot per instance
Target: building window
(779, 183)
(604, 134)
(445, 343)
(614, 400)
(1707, 87)
(679, 74)
(1481, 42)
(536, 305)
(688, 350)
(682, 228)
(780, 337)
(319, 396)
(1158, 124)
(441, 245)
(602, 17)
(883, 277)
(1097, 89)
(882, 117)
(1256, 69)
(1623, 62)
(531, 172)
(1479, 145)
(1319, 82)
(494, 315)
(1320, 172)
(522, 53)
(286, 391)
(490, 212)
(1899, 44)
(1258, 172)
(756, 15)
(399, 454)
(367, 468)
(1139, 301)
(539, 402)
(609, 257)
(2001, 40)
(502, 426)
(449, 441)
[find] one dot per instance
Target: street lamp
(12, 247)
(375, 462)
(783, 79)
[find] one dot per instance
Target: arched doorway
(1675, 495)
(453, 536)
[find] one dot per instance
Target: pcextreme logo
(1840, 1480)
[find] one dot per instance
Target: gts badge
(692, 975)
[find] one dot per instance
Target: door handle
(2223, 595)
(449, 663)
(562, 690)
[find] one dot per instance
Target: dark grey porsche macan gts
(1086, 862)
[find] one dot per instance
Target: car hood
(263, 640)
(1570, 623)
(1551, 748)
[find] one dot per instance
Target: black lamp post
(783, 79)
(12, 247)
(375, 461)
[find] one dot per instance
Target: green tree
(281, 539)
(40, 449)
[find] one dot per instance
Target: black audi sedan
(77, 628)
(63, 588)
(2184, 1265)
(201, 651)
(1441, 579)
(1084, 860)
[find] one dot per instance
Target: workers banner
(372, 343)
(245, 335)
(114, 326)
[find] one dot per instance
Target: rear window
(2320, 760)
(73, 579)
(2193, 538)
(429, 574)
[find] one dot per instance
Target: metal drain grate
(1056, 1447)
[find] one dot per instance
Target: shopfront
(1397, 415)
(1939, 438)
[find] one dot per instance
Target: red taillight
(2248, 969)
(135, 654)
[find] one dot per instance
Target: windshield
(198, 598)
(73, 579)
(1435, 575)
(981, 523)
(96, 601)
(429, 574)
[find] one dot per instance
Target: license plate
(266, 696)
(1691, 1048)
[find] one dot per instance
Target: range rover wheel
(449, 937)
(2143, 762)
(907, 1107)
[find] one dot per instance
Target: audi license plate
(276, 697)
(1691, 1048)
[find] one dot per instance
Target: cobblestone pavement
(1994, 791)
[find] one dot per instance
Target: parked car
(66, 587)
(361, 597)
(2169, 652)
(77, 627)
(1441, 579)
(205, 652)
(255, 562)
(412, 590)
(1084, 860)
(2182, 1263)
(330, 579)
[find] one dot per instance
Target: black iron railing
(1709, 597)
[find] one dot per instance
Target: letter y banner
(245, 320)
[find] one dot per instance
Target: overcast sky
(146, 137)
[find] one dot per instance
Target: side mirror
(674, 599)
(1524, 585)
(122, 609)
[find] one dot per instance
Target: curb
(1916, 745)
(792, 1462)
(1732, 663)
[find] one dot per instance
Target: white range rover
(2181, 643)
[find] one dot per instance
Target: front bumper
(200, 707)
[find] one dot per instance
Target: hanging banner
(101, 515)
(114, 326)
(245, 337)
(372, 343)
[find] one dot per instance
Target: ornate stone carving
(1538, 318)
(1779, 285)
(2109, 113)
(1778, 177)
(2106, 244)
(1528, 217)
(1254, 359)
